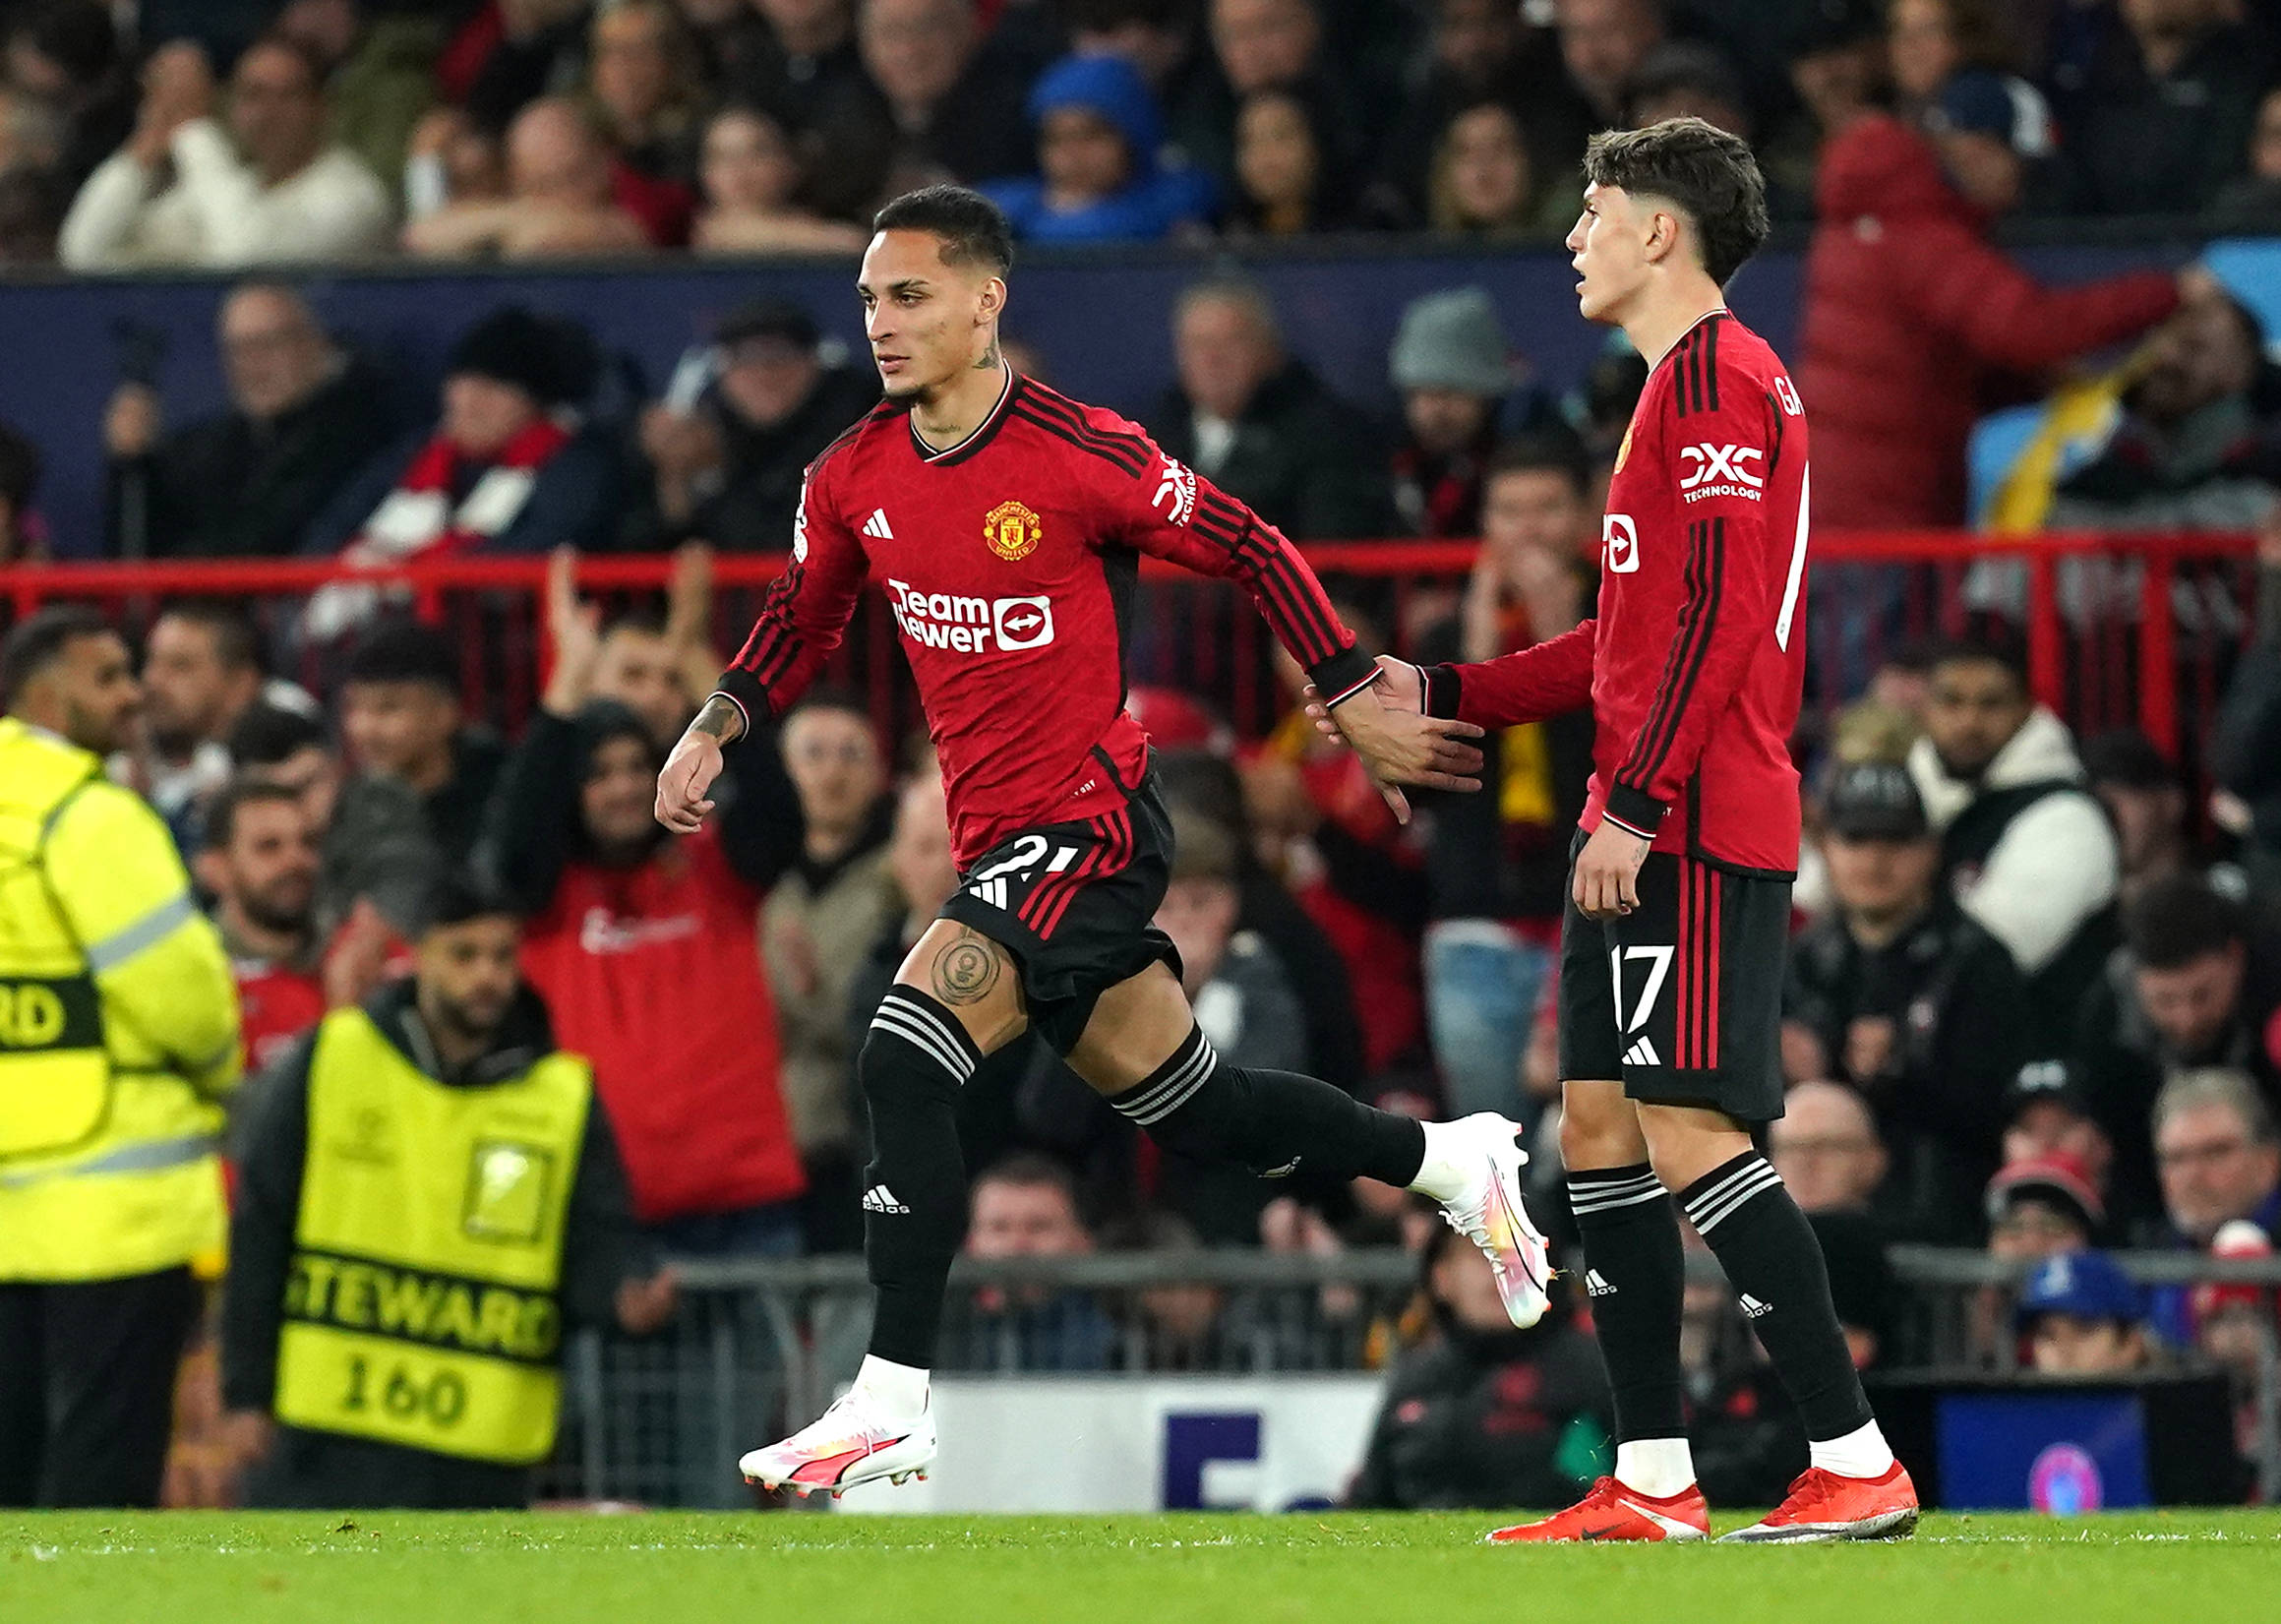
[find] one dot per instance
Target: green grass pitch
(385, 1567)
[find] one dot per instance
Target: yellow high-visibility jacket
(118, 1028)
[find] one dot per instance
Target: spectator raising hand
(574, 637)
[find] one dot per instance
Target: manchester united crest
(1012, 530)
(1624, 451)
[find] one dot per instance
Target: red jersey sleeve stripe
(1062, 416)
(1283, 580)
(1290, 591)
(775, 642)
(1707, 567)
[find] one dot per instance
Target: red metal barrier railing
(2101, 613)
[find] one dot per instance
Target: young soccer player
(1005, 523)
(1671, 951)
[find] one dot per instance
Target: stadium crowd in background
(341, 130)
(2035, 995)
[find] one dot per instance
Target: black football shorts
(1075, 904)
(1681, 999)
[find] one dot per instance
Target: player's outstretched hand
(1402, 746)
(1607, 872)
(689, 772)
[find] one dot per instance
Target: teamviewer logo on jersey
(970, 626)
(1709, 470)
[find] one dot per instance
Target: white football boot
(853, 1442)
(1488, 1213)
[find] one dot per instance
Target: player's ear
(993, 303)
(1662, 235)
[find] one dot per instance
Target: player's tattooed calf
(966, 971)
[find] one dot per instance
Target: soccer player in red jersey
(1005, 523)
(1672, 947)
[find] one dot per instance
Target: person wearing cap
(1993, 134)
(506, 468)
(1102, 177)
(429, 1196)
(2042, 1205)
(725, 467)
(2047, 1115)
(1897, 993)
(1909, 311)
(1453, 369)
(2083, 1316)
(2026, 848)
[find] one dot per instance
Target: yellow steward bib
(423, 1307)
(55, 1078)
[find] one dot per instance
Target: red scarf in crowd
(419, 517)
(420, 514)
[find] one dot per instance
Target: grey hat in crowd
(1873, 801)
(1452, 340)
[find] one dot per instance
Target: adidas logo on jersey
(1642, 1052)
(876, 525)
(1752, 1309)
(1594, 1285)
(881, 1199)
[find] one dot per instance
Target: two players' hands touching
(1398, 742)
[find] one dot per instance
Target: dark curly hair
(1708, 174)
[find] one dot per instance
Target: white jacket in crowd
(218, 214)
(2055, 863)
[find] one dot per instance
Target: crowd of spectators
(344, 130)
(2036, 995)
(2028, 1008)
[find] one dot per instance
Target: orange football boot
(1611, 1512)
(1823, 1507)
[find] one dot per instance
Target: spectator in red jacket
(1910, 313)
(644, 946)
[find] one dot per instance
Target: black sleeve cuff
(1636, 809)
(743, 690)
(1344, 675)
(1444, 690)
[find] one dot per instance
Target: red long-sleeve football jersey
(1009, 559)
(1696, 661)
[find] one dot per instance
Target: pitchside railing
(759, 1344)
(2121, 628)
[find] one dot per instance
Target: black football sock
(1270, 1121)
(1769, 1251)
(1634, 1274)
(916, 1059)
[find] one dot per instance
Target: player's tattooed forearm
(719, 719)
(966, 971)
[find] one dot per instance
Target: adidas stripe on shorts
(1682, 998)
(1075, 904)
